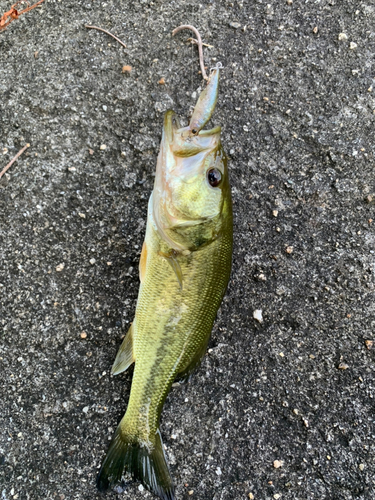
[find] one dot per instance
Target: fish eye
(194, 131)
(214, 177)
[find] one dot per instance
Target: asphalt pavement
(283, 404)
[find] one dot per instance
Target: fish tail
(146, 465)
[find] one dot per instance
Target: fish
(184, 270)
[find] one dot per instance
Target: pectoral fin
(173, 262)
(125, 356)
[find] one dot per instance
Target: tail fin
(147, 466)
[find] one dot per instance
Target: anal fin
(125, 356)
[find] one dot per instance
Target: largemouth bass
(184, 270)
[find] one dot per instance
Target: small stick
(108, 33)
(13, 160)
(13, 13)
(199, 43)
(193, 40)
(29, 7)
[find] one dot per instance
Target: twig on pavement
(13, 160)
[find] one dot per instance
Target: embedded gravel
(283, 404)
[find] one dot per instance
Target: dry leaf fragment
(369, 344)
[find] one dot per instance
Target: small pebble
(83, 335)
(305, 422)
(361, 466)
(251, 496)
(60, 267)
(190, 492)
(161, 81)
(275, 213)
(289, 2)
(85, 409)
(103, 147)
(276, 496)
(277, 464)
(315, 30)
(342, 37)
(105, 107)
(126, 69)
(353, 46)
(343, 366)
(140, 487)
(92, 261)
(235, 25)
(289, 249)
(83, 216)
(258, 315)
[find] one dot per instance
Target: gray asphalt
(297, 109)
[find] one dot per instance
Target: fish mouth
(181, 139)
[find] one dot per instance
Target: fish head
(191, 185)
